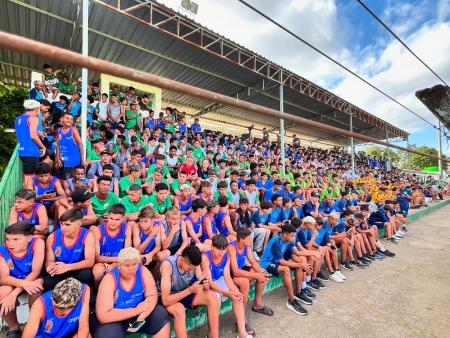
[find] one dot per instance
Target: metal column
(283, 160)
(388, 163)
(408, 159)
(440, 147)
(352, 148)
(84, 76)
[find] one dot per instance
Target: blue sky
(345, 30)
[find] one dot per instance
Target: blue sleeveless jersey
(195, 225)
(27, 147)
(40, 190)
(55, 326)
(111, 245)
(151, 244)
(213, 228)
(216, 269)
(33, 219)
(70, 151)
(72, 254)
(240, 256)
(19, 267)
(219, 223)
(185, 207)
(126, 299)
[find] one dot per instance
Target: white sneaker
(397, 237)
(336, 278)
(340, 274)
(255, 254)
(400, 233)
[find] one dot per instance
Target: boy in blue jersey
(26, 209)
(216, 264)
(311, 208)
(147, 238)
(330, 251)
(326, 206)
(287, 212)
(339, 238)
(70, 251)
(275, 216)
(404, 197)
(21, 261)
(110, 237)
(69, 148)
(306, 247)
(276, 260)
(178, 290)
(243, 274)
(62, 312)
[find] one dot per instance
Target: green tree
(11, 103)
(418, 162)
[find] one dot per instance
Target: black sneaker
(362, 262)
(296, 307)
(404, 228)
(347, 266)
(371, 256)
(309, 293)
(388, 253)
(323, 277)
(313, 285)
(303, 298)
(392, 240)
(358, 264)
(365, 260)
(319, 284)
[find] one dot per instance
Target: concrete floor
(405, 296)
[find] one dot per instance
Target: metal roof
(155, 39)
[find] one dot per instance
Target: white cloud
(385, 63)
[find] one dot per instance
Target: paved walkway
(406, 296)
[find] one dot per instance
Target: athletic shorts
(29, 164)
(188, 301)
(245, 268)
(174, 249)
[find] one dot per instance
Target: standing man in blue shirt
(30, 145)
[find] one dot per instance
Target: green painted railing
(9, 184)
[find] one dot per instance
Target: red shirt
(191, 170)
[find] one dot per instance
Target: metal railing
(9, 184)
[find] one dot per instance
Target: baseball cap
(81, 195)
(31, 104)
(184, 186)
(309, 219)
(315, 194)
(105, 152)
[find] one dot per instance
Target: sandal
(250, 330)
(265, 310)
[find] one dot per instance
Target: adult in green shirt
(103, 198)
(131, 116)
(161, 199)
(132, 178)
(134, 202)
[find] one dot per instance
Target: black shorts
(272, 268)
(174, 249)
(188, 301)
(29, 164)
(244, 268)
(153, 324)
